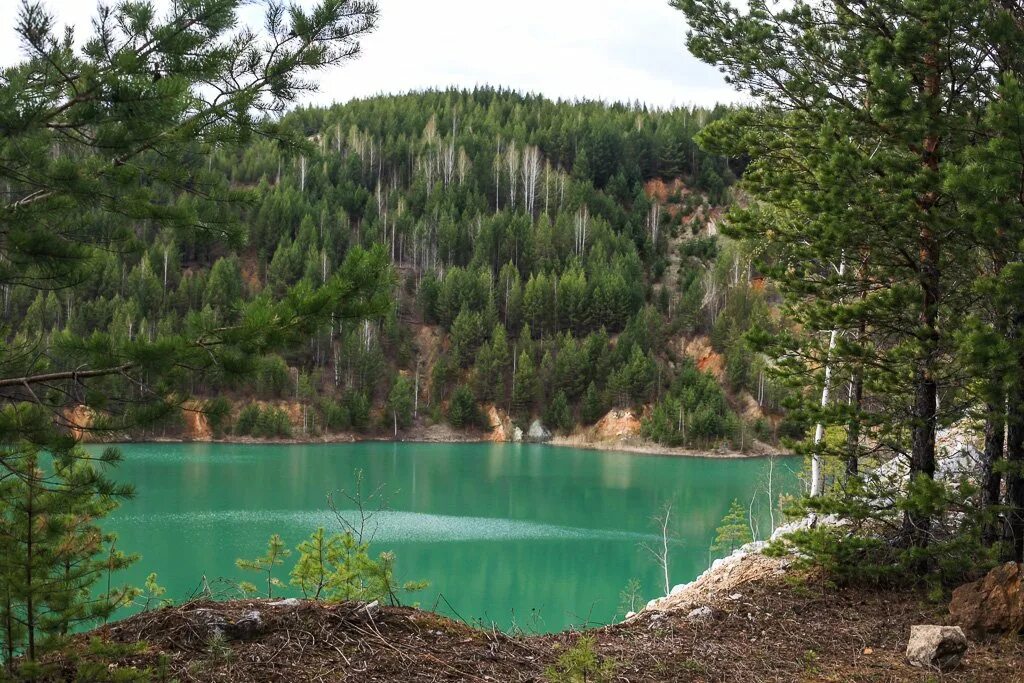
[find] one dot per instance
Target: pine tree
(266, 564)
(54, 553)
(463, 410)
(108, 144)
(593, 408)
(734, 530)
(525, 386)
(863, 112)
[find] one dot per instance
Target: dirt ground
(771, 629)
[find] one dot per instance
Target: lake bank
(766, 629)
(439, 434)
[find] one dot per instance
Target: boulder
(246, 627)
(702, 613)
(992, 605)
(517, 434)
(936, 647)
(287, 602)
(538, 433)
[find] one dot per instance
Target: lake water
(525, 536)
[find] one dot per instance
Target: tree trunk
(853, 428)
(30, 611)
(992, 478)
(1015, 447)
(916, 524)
(817, 468)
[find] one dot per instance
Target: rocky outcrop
(197, 426)
(746, 564)
(617, 425)
(936, 647)
(79, 418)
(958, 456)
(725, 575)
(704, 355)
(992, 605)
(538, 433)
(500, 424)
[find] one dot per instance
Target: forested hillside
(556, 260)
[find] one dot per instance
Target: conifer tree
(862, 111)
(734, 530)
(54, 553)
(266, 564)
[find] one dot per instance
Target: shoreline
(632, 447)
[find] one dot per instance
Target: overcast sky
(608, 49)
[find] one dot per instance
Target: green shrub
(866, 548)
(338, 567)
(581, 664)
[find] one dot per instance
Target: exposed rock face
(994, 604)
(501, 426)
(538, 433)
(617, 424)
(958, 455)
(197, 427)
(936, 647)
(81, 418)
(707, 359)
(746, 564)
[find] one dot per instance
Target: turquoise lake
(519, 536)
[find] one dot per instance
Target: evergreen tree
(463, 410)
(525, 385)
(592, 408)
(734, 530)
(857, 220)
(266, 564)
(54, 553)
(400, 402)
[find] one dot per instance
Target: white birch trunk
(817, 466)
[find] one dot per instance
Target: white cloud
(600, 49)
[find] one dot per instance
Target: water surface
(524, 536)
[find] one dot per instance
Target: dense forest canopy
(521, 231)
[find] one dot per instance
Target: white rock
(538, 432)
(936, 647)
(287, 602)
(700, 613)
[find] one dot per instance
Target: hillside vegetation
(552, 259)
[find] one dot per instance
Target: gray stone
(287, 602)
(538, 432)
(700, 613)
(936, 647)
(249, 625)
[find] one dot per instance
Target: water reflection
(499, 530)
